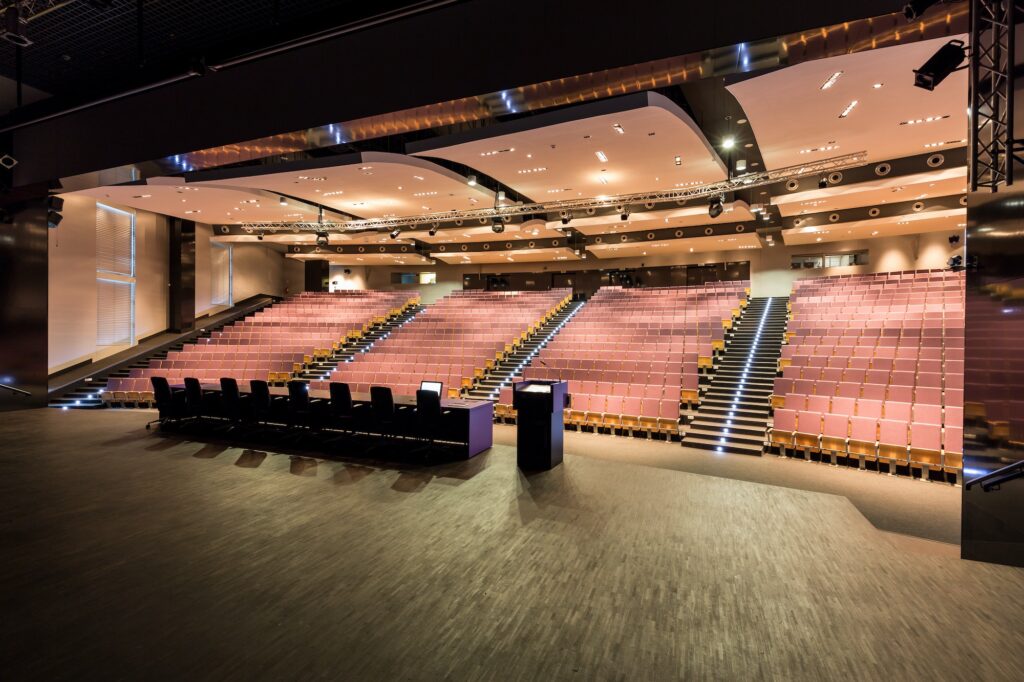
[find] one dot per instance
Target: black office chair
(302, 411)
(430, 418)
(233, 405)
(382, 409)
(263, 408)
(196, 401)
(169, 404)
(342, 415)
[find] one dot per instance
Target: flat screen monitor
(434, 386)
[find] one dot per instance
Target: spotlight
(566, 217)
(259, 236)
(954, 239)
(915, 8)
(715, 207)
(471, 181)
(822, 182)
(500, 196)
(433, 229)
(394, 233)
(498, 227)
(956, 263)
(14, 26)
(625, 214)
(728, 143)
(54, 206)
(322, 239)
(944, 62)
(282, 201)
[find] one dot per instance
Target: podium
(539, 423)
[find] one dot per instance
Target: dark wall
(993, 520)
(408, 63)
(318, 275)
(181, 308)
(23, 303)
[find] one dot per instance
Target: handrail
(16, 391)
(994, 478)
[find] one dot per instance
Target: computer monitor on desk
(434, 386)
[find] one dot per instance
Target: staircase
(515, 362)
(322, 368)
(734, 410)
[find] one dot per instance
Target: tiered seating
(631, 355)
(997, 367)
(453, 341)
(269, 345)
(874, 369)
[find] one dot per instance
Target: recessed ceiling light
(679, 161)
(874, 233)
(618, 128)
(194, 211)
(831, 80)
(335, 193)
(142, 196)
(602, 179)
(813, 150)
(848, 109)
(601, 156)
(525, 171)
(418, 177)
(498, 151)
(877, 85)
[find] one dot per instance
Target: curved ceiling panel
(366, 185)
(618, 146)
(796, 119)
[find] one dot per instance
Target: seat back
(230, 400)
(382, 403)
(298, 395)
(161, 392)
(428, 409)
(194, 396)
(259, 396)
(341, 399)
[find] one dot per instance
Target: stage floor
(130, 555)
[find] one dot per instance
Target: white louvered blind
(114, 312)
(115, 241)
(220, 274)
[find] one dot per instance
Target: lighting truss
(733, 184)
(31, 9)
(993, 148)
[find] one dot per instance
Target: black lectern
(539, 424)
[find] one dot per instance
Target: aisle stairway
(733, 412)
(322, 369)
(506, 371)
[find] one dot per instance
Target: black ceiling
(81, 51)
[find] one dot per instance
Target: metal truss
(501, 212)
(30, 9)
(993, 148)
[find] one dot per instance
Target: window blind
(220, 274)
(114, 312)
(115, 241)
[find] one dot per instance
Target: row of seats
(927, 395)
(995, 402)
(455, 339)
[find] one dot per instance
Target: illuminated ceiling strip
(746, 181)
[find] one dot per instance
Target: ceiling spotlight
(394, 233)
(741, 165)
(846, 111)
(954, 239)
(283, 201)
(500, 196)
(822, 182)
(715, 206)
(259, 237)
(915, 8)
(322, 239)
(471, 181)
(944, 62)
(625, 213)
(566, 217)
(831, 80)
(498, 227)
(728, 143)
(433, 229)
(601, 156)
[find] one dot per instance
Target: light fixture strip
(831, 80)
(848, 109)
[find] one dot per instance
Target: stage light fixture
(259, 237)
(498, 227)
(282, 201)
(14, 27)
(471, 181)
(54, 206)
(433, 229)
(625, 214)
(915, 8)
(945, 61)
(956, 263)
(322, 239)
(728, 143)
(954, 239)
(715, 207)
(394, 233)
(566, 217)
(822, 182)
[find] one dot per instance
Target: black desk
(470, 422)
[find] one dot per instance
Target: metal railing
(993, 479)
(15, 390)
